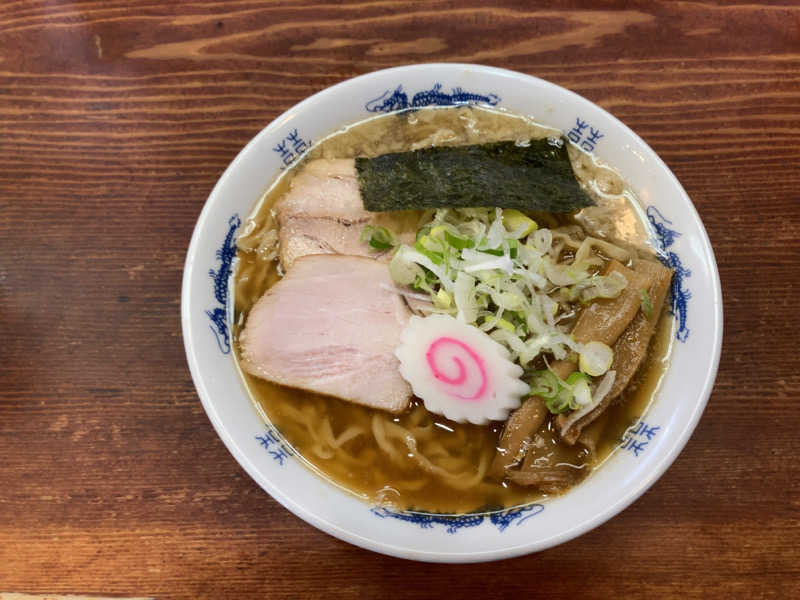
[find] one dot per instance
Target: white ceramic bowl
(648, 448)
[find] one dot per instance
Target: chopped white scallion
(497, 231)
(595, 358)
(582, 393)
(464, 297)
(600, 392)
(563, 275)
(409, 254)
(502, 263)
(543, 240)
(479, 264)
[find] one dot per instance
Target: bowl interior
(647, 448)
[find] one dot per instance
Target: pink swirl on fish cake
(462, 375)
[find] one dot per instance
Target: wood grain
(116, 119)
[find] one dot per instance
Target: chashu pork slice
(331, 326)
(322, 213)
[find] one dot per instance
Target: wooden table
(116, 119)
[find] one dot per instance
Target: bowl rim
(665, 458)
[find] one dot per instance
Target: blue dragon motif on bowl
(679, 295)
(500, 519)
(219, 314)
(391, 101)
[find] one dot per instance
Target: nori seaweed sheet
(536, 177)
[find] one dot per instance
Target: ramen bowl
(644, 451)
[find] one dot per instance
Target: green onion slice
(545, 384)
(561, 402)
(379, 238)
(435, 257)
(457, 242)
(513, 248)
(576, 377)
